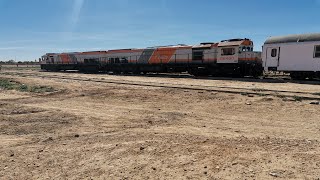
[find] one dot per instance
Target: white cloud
(73, 19)
(77, 6)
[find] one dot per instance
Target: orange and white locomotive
(228, 57)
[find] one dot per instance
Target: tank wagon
(228, 57)
(298, 55)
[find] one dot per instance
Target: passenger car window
(274, 52)
(317, 51)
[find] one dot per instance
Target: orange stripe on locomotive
(162, 55)
(65, 59)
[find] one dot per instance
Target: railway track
(223, 89)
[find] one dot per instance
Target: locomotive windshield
(247, 49)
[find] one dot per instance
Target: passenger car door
(272, 57)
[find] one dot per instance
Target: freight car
(229, 57)
(298, 55)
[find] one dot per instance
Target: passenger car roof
(293, 38)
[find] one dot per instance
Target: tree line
(11, 61)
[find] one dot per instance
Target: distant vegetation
(13, 62)
(20, 65)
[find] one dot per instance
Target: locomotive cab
(237, 51)
(48, 58)
(43, 59)
(229, 50)
(238, 55)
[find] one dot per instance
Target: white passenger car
(298, 55)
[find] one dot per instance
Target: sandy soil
(96, 130)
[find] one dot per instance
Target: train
(229, 57)
(298, 55)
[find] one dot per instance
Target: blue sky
(30, 28)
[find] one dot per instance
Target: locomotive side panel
(182, 55)
(228, 54)
(124, 56)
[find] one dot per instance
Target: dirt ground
(97, 130)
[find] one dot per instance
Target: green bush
(11, 85)
(6, 84)
(22, 88)
(297, 98)
(316, 94)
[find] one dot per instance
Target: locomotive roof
(235, 42)
(293, 38)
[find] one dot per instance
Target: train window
(248, 49)
(228, 51)
(124, 60)
(243, 49)
(197, 55)
(111, 60)
(317, 51)
(117, 60)
(274, 52)
(91, 61)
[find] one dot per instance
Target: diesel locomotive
(233, 57)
